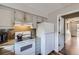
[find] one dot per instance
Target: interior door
(61, 34)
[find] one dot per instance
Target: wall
(73, 29)
(52, 17)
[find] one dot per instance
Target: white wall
(73, 28)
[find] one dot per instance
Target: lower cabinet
(26, 47)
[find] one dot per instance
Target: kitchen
(28, 33)
(13, 24)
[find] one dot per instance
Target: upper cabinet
(19, 17)
(28, 18)
(22, 17)
(6, 17)
(9, 17)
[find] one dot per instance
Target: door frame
(58, 17)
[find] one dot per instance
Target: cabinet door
(6, 17)
(28, 18)
(49, 45)
(19, 16)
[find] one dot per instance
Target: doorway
(68, 34)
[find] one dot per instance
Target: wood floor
(73, 47)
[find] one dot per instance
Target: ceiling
(42, 9)
(46, 8)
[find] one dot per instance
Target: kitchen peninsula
(25, 47)
(24, 40)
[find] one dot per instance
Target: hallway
(71, 33)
